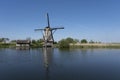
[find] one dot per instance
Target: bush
(4, 45)
(84, 41)
(63, 43)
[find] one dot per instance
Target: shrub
(84, 41)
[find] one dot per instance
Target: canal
(56, 64)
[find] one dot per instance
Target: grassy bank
(71, 45)
(7, 45)
(13, 45)
(95, 45)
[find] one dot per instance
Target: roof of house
(23, 41)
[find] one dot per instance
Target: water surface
(55, 64)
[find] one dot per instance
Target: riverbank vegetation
(63, 43)
(7, 45)
(36, 43)
(83, 43)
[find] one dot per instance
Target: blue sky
(97, 20)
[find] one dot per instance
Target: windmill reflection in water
(48, 54)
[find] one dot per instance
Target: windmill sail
(48, 33)
(48, 20)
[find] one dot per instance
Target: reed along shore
(95, 45)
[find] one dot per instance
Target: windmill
(48, 34)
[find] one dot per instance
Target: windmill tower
(48, 34)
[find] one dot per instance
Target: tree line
(63, 43)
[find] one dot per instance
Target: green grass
(6, 45)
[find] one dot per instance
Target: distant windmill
(48, 34)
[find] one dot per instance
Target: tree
(63, 43)
(37, 43)
(13, 41)
(83, 41)
(70, 40)
(1, 40)
(33, 41)
(91, 41)
(76, 40)
(39, 40)
(4, 40)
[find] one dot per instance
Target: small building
(23, 44)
